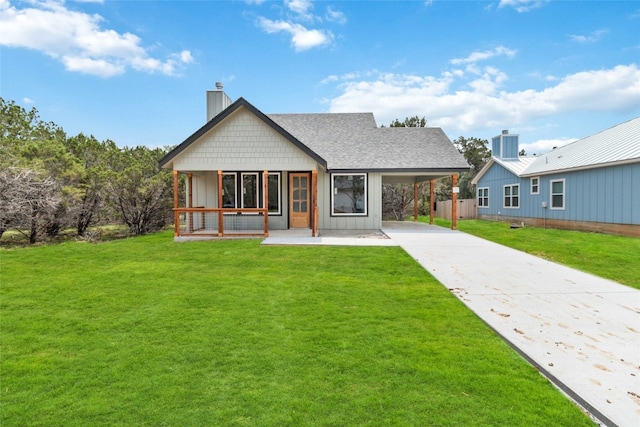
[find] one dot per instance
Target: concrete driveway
(581, 331)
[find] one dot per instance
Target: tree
(86, 198)
(33, 160)
(477, 154)
(25, 200)
(410, 122)
(139, 190)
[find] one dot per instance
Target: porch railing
(221, 222)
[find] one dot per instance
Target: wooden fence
(466, 209)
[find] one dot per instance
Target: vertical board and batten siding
(495, 179)
(505, 146)
(243, 142)
(608, 194)
(373, 220)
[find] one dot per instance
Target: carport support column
(432, 200)
(415, 201)
(454, 202)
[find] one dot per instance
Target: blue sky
(136, 72)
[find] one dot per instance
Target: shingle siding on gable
(243, 142)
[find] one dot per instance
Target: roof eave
(400, 170)
(581, 168)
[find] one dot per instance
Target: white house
(248, 172)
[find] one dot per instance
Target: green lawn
(145, 331)
(605, 255)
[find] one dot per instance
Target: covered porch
(250, 218)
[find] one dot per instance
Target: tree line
(50, 182)
(397, 199)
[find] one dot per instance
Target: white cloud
(335, 16)
(28, 101)
(543, 146)
(487, 54)
(300, 7)
(461, 106)
(522, 5)
(593, 37)
(301, 37)
(77, 40)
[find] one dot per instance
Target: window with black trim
(246, 190)
(275, 198)
(249, 190)
(483, 197)
(349, 194)
(512, 196)
(229, 199)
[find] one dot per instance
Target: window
(274, 193)
(229, 190)
(512, 196)
(349, 194)
(535, 185)
(246, 190)
(483, 197)
(557, 194)
(249, 190)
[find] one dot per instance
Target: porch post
(454, 202)
(432, 202)
(176, 214)
(220, 213)
(265, 203)
(190, 200)
(415, 201)
(314, 203)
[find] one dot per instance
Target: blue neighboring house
(591, 184)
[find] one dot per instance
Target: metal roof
(616, 145)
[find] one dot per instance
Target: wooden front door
(299, 200)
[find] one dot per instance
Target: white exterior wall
(373, 220)
(243, 142)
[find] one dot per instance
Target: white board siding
(243, 142)
(373, 220)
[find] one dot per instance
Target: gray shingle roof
(352, 141)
